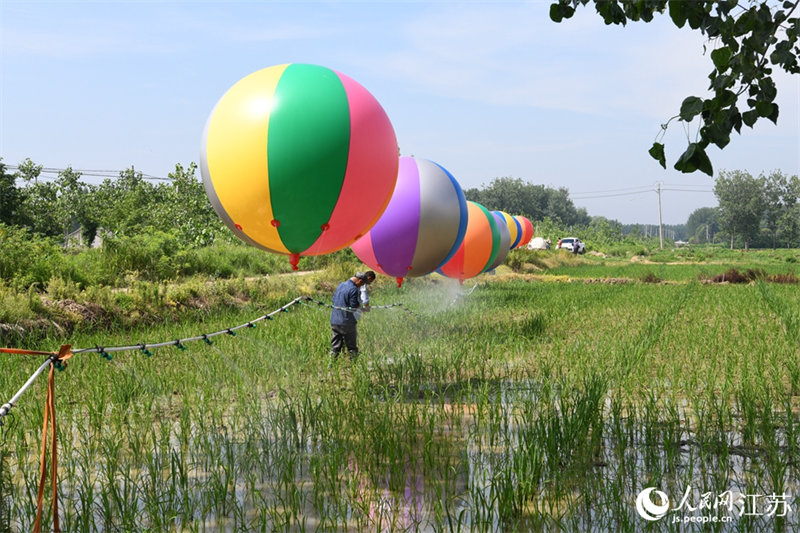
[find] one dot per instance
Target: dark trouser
(344, 335)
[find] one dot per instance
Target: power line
(611, 195)
(111, 174)
(611, 192)
(643, 188)
(640, 187)
(685, 185)
(687, 190)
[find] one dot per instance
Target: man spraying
(349, 300)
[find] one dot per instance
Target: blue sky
(485, 89)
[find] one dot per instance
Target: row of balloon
(301, 160)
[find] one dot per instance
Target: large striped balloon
(527, 230)
(514, 228)
(480, 246)
(298, 159)
(422, 226)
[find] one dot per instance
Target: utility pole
(660, 225)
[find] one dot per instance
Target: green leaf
(677, 12)
(618, 15)
(556, 12)
(695, 14)
(611, 13)
(721, 58)
(765, 109)
(733, 120)
(781, 56)
(744, 24)
(711, 26)
(768, 89)
(703, 162)
(774, 115)
(720, 82)
(684, 162)
(717, 134)
(657, 152)
(691, 107)
(750, 117)
(726, 98)
(645, 11)
(724, 6)
(694, 158)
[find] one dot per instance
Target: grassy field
(546, 400)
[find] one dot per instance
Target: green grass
(674, 265)
(524, 405)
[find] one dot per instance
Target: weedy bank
(519, 405)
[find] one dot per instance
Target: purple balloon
(423, 225)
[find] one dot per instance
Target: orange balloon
(480, 246)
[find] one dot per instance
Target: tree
(9, 196)
(70, 203)
(29, 171)
(560, 207)
(746, 43)
(605, 231)
(36, 201)
(741, 204)
(512, 195)
(125, 205)
(702, 224)
(774, 192)
(38, 207)
(789, 224)
(186, 206)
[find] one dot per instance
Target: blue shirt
(346, 295)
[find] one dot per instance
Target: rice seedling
(521, 405)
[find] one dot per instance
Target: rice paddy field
(569, 402)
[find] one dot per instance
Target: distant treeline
(759, 212)
(753, 212)
(554, 208)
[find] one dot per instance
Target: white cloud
(512, 54)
